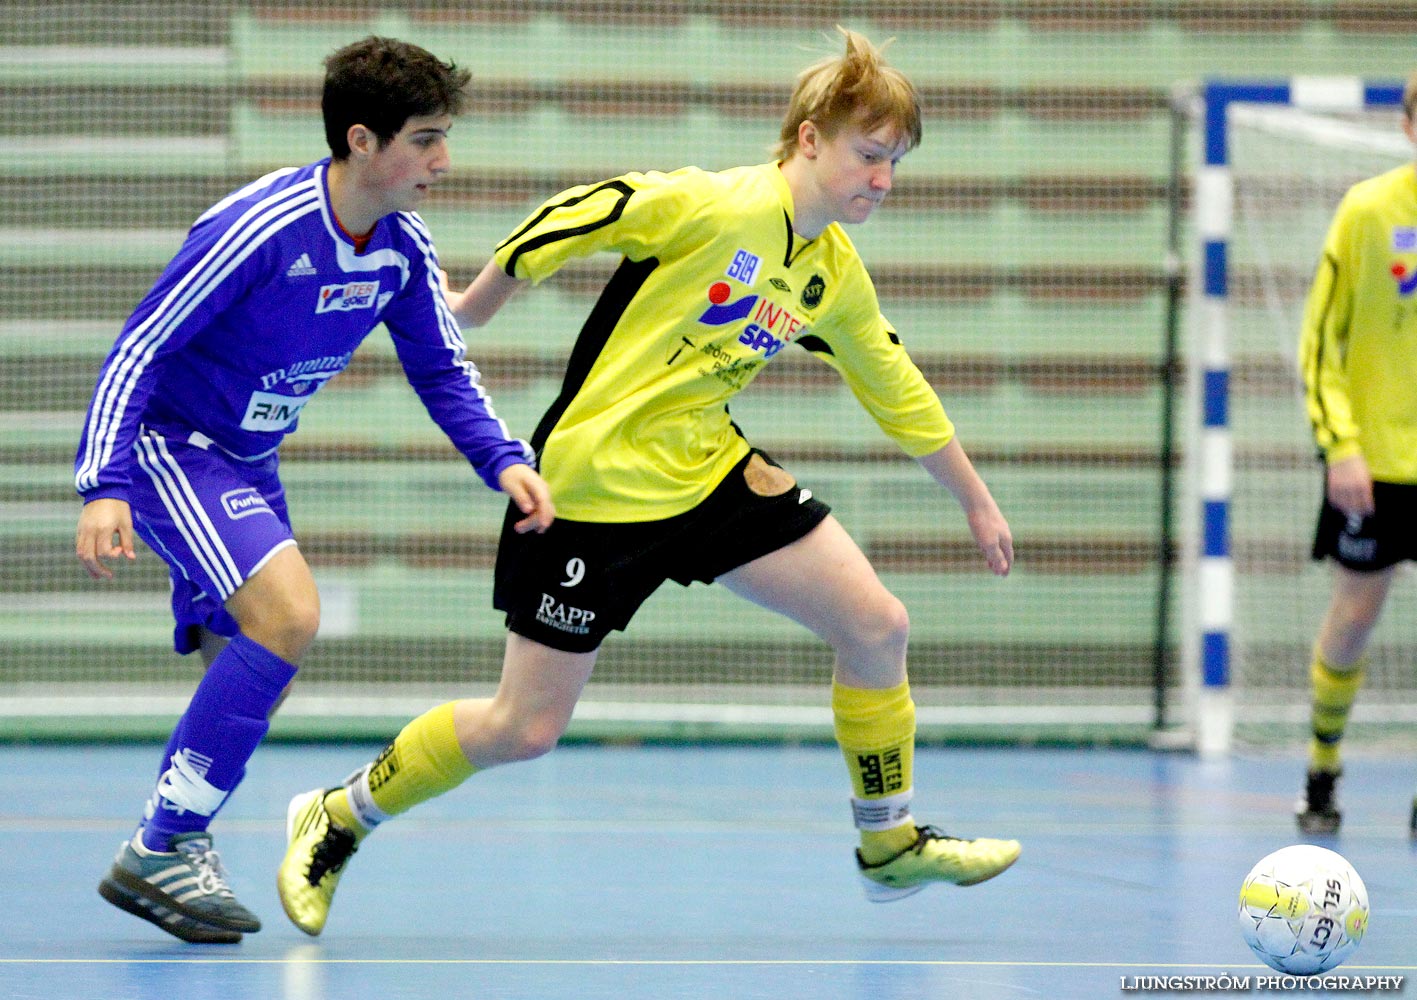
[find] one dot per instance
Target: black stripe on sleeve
(615, 212)
(1322, 424)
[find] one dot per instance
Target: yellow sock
(1334, 690)
(876, 732)
(422, 762)
(877, 845)
(337, 805)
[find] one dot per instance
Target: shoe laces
(211, 874)
(925, 834)
(330, 853)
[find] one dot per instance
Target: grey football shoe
(187, 882)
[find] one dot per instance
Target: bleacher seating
(1022, 258)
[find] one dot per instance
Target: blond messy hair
(855, 88)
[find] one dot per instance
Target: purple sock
(224, 723)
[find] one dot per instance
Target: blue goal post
(1208, 648)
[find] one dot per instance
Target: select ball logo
(1303, 910)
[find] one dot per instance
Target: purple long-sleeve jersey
(265, 302)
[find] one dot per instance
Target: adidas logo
(301, 267)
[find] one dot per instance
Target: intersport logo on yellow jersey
(1406, 278)
(772, 327)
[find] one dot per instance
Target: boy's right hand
(531, 495)
(1350, 486)
(105, 532)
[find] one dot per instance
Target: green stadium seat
(1021, 258)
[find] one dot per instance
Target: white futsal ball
(1303, 909)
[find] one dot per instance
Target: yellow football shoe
(314, 859)
(934, 857)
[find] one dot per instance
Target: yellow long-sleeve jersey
(1358, 347)
(713, 283)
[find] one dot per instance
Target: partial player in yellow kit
(1357, 351)
(652, 481)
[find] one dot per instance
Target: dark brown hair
(381, 83)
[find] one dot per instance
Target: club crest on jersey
(347, 297)
(812, 294)
(1406, 278)
(772, 328)
(1404, 239)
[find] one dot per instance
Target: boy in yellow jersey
(1360, 372)
(653, 481)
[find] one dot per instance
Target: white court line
(689, 962)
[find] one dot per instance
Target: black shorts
(570, 586)
(1383, 539)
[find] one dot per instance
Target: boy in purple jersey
(270, 294)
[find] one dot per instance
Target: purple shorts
(214, 519)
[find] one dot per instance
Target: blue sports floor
(720, 872)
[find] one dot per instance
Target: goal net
(1017, 255)
(1289, 169)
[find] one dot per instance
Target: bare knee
(536, 740)
(300, 625)
(279, 606)
(527, 741)
(531, 709)
(879, 634)
(1355, 622)
(1352, 615)
(503, 737)
(892, 625)
(286, 630)
(1346, 630)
